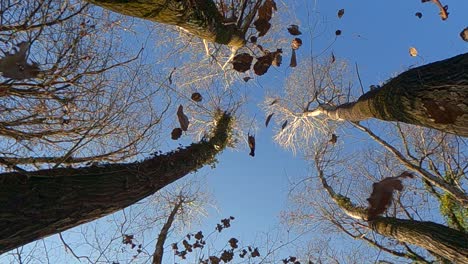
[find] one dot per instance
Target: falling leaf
(262, 26)
(464, 34)
(170, 75)
(251, 141)
(443, 10)
(242, 62)
(274, 102)
(296, 43)
(183, 119)
(284, 125)
(332, 59)
(263, 64)
(340, 13)
(268, 119)
(176, 133)
(338, 32)
(418, 14)
(277, 58)
(413, 52)
(265, 13)
(253, 39)
(233, 242)
(197, 97)
(294, 30)
(382, 193)
(333, 139)
(246, 79)
(293, 62)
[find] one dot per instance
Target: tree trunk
(199, 17)
(434, 95)
(444, 241)
(159, 251)
(45, 202)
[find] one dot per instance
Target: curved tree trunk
(45, 202)
(434, 95)
(444, 241)
(199, 17)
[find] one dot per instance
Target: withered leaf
(247, 78)
(338, 32)
(340, 13)
(333, 139)
(332, 59)
(443, 10)
(284, 125)
(255, 253)
(418, 14)
(293, 62)
(464, 34)
(242, 62)
(183, 119)
(268, 119)
(265, 11)
(294, 30)
(413, 52)
(197, 97)
(277, 58)
(262, 26)
(176, 133)
(233, 242)
(296, 43)
(251, 141)
(262, 64)
(382, 193)
(253, 39)
(274, 101)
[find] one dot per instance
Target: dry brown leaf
(338, 32)
(333, 139)
(296, 43)
(277, 57)
(418, 14)
(183, 119)
(294, 30)
(268, 119)
(443, 10)
(413, 52)
(176, 133)
(197, 97)
(464, 34)
(284, 125)
(332, 59)
(382, 194)
(251, 141)
(263, 63)
(340, 13)
(293, 62)
(265, 13)
(242, 62)
(247, 78)
(274, 102)
(262, 26)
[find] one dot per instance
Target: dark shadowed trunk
(434, 95)
(199, 17)
(41, 203)
(444, 241)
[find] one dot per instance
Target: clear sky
(377, 36)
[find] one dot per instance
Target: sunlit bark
(41, 203)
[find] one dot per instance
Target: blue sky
(377, 36)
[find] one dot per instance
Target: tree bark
(159, 250)
(444, 241)
(434, 95)
(41, 203)
(199, 17)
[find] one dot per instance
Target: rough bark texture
(41, 203)
(446, 242)
(199, 17)
(159, 251)
(434, 95)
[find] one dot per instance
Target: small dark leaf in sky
(268, 119)
(293, 62)
(233, 242)
(382, 193)
(242, 62)
(277, 57)
(247, 78)
(251, 141)
(262, 64)
(274, 102)
(199, 235)
(443, 10)
(332, 59)
(262, 26)
(340, 13)
(265, 11)
(294, 30)
(333, 139)
(418, 14)
(255, 253)
(253, 39)
(196, 97)
(284, 125)
(183, 119)
(296, 43)
(176, 133)
(464, 34)
(338, 32)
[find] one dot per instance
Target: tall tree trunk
(159, 250)
(199, 17)
(41, 203)
(444, 241)
(434, 95)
